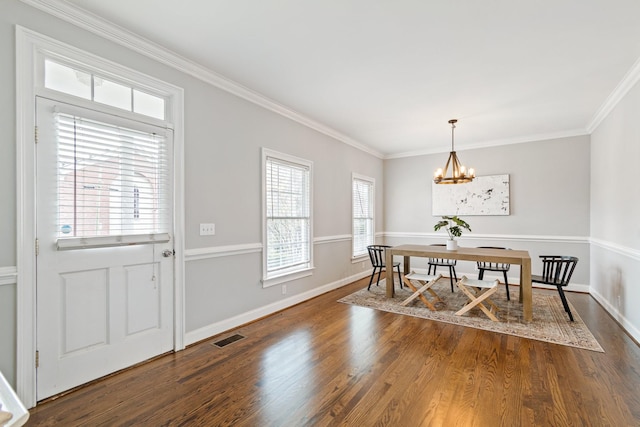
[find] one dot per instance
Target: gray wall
(8, 331)
(8, 187)
(549, 201)
(223, 137)
(8, 125)
(615, 211)
(223, 186)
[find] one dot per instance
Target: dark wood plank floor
(323, 363)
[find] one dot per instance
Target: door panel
(83, 295)
(143, 298)
(99, 309)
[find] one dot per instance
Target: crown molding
(132, 41)
(626, 84)
(493, 143)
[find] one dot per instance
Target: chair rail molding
(332, 239)
(221, 251)
(8, 275)
(248, 248)
(499, 237)
(619, 249)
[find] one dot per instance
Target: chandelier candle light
(459, 173)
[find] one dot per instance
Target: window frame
(165, 193)
(101, 68)
(305, 270)
(372, 182)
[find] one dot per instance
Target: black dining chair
(443, 262)
(557, 271)
(377, 256)
(494, 266)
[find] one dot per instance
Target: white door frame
(28, 44)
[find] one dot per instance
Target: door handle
(167, 253)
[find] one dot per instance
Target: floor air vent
(228, 340)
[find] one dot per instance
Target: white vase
(452, 245)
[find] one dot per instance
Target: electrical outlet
(207, 229)
(284, 289)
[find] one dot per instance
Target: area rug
(550, 322)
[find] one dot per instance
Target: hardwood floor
(324, 363)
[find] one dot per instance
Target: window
(363, 209)
(90, 86)
(114, 151)
(287, 216)
(113, 181)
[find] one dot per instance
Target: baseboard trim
(213, 329)
(619, 317)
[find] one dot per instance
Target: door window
(111, 180)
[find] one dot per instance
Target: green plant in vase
(454, 226)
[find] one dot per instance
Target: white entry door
(105, 248)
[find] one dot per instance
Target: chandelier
(459, 174)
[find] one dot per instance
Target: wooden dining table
(504, 256)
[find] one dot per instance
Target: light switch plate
(207, 229)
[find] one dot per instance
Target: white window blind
(288, 217)
(112, 181)
(363, 232)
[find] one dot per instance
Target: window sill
(287, 277)
(71, 243)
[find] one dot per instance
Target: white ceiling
(389, 74)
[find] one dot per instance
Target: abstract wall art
(485, 195)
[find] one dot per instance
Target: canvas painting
(485, 195)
